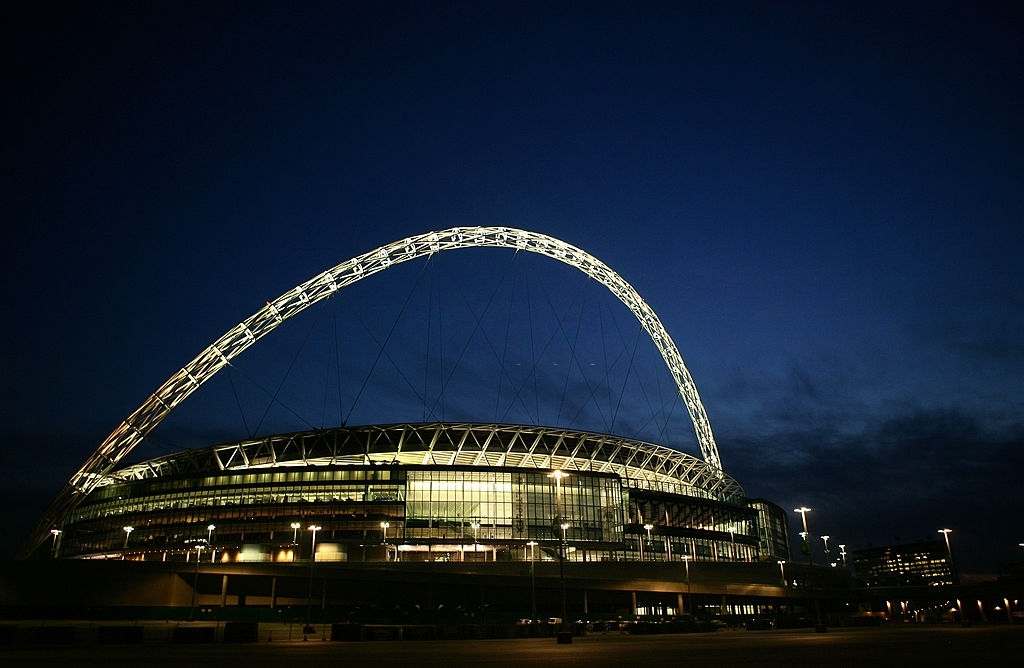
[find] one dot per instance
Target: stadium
(444, 492)
(480, 497)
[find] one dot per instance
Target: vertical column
(633, 597)
(224, 591)
(679, 604)
(273, 592)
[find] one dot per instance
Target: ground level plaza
(889, 646)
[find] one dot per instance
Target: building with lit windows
(425, 492)
(924, 563)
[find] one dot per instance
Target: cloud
(899, 478)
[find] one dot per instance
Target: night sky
(822, 201)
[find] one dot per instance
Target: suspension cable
(387, 339)
(504, 349)
(391, 359)
(238, 402)
(636, 340)
(462, 353)
(288, 372)
(337, 365)
(426, 349)
(533, 353)
(487, 340)
(573, 358)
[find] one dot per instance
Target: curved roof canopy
(643, 465)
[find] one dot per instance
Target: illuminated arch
(236, 340)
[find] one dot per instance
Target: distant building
(925, 563)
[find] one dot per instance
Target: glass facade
(772, 530)
(513, 506)
(431, 513)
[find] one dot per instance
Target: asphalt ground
(900, 646)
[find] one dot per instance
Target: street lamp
(949, 550)
(295, 532)
(312, 562)
(782, 570)
(209, 539)
(945, 534)
(475, 526)
(533, 582)
(55, 533)
(312, 550)
(127, 532)
(650, 545)
(825, 538)
(842, 553)
(806, 535)
(686, 562)
(384, 527)
(803, 510)
(195, 576)
(561, 568)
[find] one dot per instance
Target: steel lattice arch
(144, 419)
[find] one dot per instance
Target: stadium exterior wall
(424, 492)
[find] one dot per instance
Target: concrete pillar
(273, 592)
(633, 596)
(223, 591)
(586, 603)
(679, 604)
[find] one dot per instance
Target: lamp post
(558, 474)
(650, 546)
(949, 550)
(384, 528)
(803, 510)
(842, 553)
(313, 528)
(561, 568)
(825, 539)
(475, 526)
(127, 532)
(686, 562)
(533, 582)
(195, 579)
(782, 571)
(806, 535)
(56, 534)
(295, 532)
(209, 540)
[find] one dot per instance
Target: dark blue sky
(822, 201)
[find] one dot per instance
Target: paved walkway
(904, 646)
